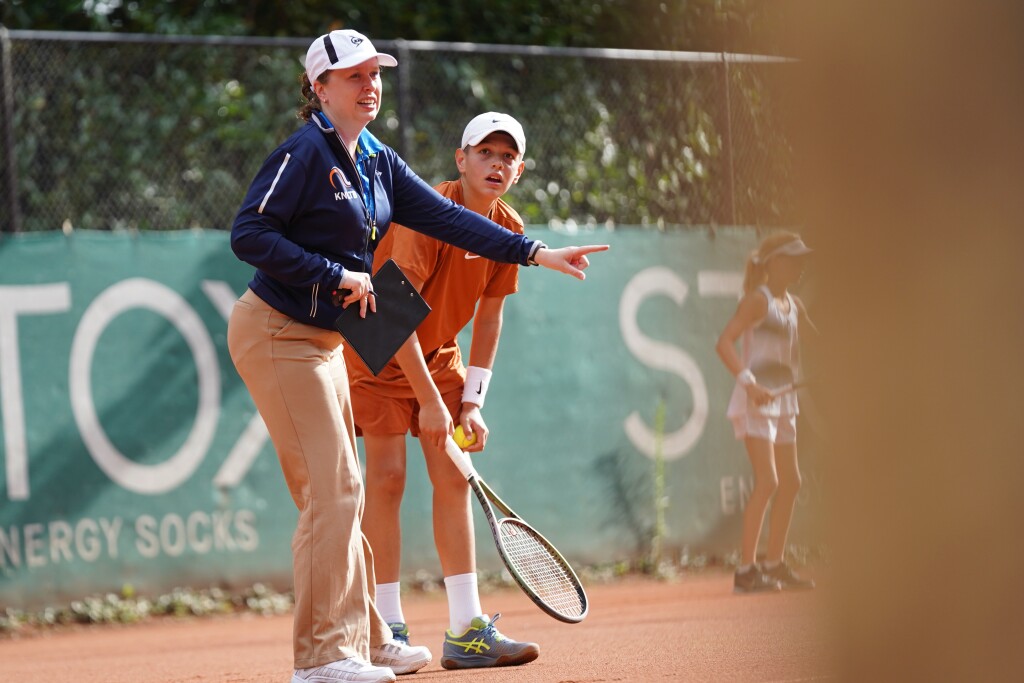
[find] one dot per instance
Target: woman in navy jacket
(309, 224)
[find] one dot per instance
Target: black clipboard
(400, 309)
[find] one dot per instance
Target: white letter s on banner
(661, 356)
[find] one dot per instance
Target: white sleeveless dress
(771, 350)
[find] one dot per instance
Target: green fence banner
(131, 452)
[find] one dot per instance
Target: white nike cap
(490, 122)
(340, 50)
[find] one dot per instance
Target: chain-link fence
(113, 131)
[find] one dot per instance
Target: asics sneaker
(482, 645)
(351, 670)
(789, 579)
(399, 631)
(753, 581)
(401, 657)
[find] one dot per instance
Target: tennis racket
(788, 388)
(539, 569)
(778, 378)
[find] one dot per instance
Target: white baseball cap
(340, 50)
(490, 122)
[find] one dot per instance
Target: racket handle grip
(788, 389)
(460, 458)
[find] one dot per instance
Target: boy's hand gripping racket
(535, 564)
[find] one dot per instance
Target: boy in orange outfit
(426, 386)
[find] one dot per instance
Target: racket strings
(544, 572)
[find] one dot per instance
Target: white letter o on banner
(121, 297)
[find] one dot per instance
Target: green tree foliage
(150, 136)
(632, 24)
(167, 135)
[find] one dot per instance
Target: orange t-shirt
(454, 280)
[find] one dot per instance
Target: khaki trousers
(296, 376)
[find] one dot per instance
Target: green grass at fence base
(128, 608)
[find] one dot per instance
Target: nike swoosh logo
(480, 388)
(469, 256)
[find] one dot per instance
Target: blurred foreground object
(906, 123)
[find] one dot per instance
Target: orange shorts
(383, 415)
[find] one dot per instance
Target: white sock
(742, 569)
(771, 565)
(463, 601)
(389, 602)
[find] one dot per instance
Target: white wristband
(746, 378)
(477, 380)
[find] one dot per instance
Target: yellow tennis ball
(461, 439)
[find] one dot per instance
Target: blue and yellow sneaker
(482, 646)
(399, 632)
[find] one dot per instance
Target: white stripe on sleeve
(284, 163)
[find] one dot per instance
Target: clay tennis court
(688, 629)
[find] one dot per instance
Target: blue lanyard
(364, 145)
(362, 158)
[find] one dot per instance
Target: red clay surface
(689, 629)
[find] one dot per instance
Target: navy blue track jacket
(304, 221)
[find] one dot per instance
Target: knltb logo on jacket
(342, 182)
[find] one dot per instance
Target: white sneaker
(400, 657)
(351, 670)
